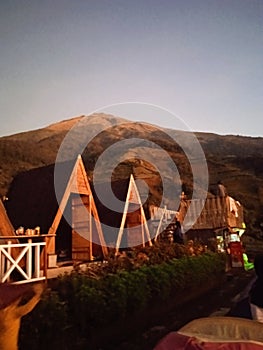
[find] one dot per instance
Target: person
(256, 292)
(248, 265)
(177, 234)
(190, 247)
(221, 190)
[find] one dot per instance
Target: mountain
(167, 160)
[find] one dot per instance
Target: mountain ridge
(234, 159)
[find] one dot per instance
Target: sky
(200, 59)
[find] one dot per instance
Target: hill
(146, 151)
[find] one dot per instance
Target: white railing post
(8, 262)
(37, 261)
(2, 262)
(29, 259)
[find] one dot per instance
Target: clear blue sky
(201, 59)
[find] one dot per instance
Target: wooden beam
(64, 201)
(159, 225)
(124, 216)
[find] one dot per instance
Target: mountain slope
(235, 160)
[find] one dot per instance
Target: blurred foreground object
(211, 333)
(15, 302)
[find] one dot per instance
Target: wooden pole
(90, 231)
(159, 225)
(124, 216)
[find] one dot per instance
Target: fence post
(8, 262)
(2, 267)
(37, 261)
(29, 259)
(45, 258)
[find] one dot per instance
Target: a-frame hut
(86, 227)
(135, 220)
(122, 214)
(33, 202)
(6, 228)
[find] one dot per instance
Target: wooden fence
(21, 262)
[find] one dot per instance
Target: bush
(115, 293)
(47, 324)
(81, 303)
(158, 281)
(137, 290)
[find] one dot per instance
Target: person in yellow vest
(248, 265)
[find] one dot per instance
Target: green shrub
(85, 302)
(115, 293)
(88, 310)
(47, 324)
(137, 290)
(158, 281)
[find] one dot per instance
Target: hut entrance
(81, 228)
(85, 237)
(135, 236)
(64, 236)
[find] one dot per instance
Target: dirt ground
(217, 302)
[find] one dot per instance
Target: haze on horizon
(201, 60)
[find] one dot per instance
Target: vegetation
(84, 303)
(235, 160)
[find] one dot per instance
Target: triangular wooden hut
(84, 216)
(33, 202)
(6, 228)
(136, 223)
(122, 213)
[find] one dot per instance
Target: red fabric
(176, 341)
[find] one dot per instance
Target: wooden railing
(23, 261)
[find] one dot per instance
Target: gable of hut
(87, 236)
(123, 218)
(6, 228)
(33, 202)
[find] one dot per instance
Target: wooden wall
(217, 212)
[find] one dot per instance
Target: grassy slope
(236, 160)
